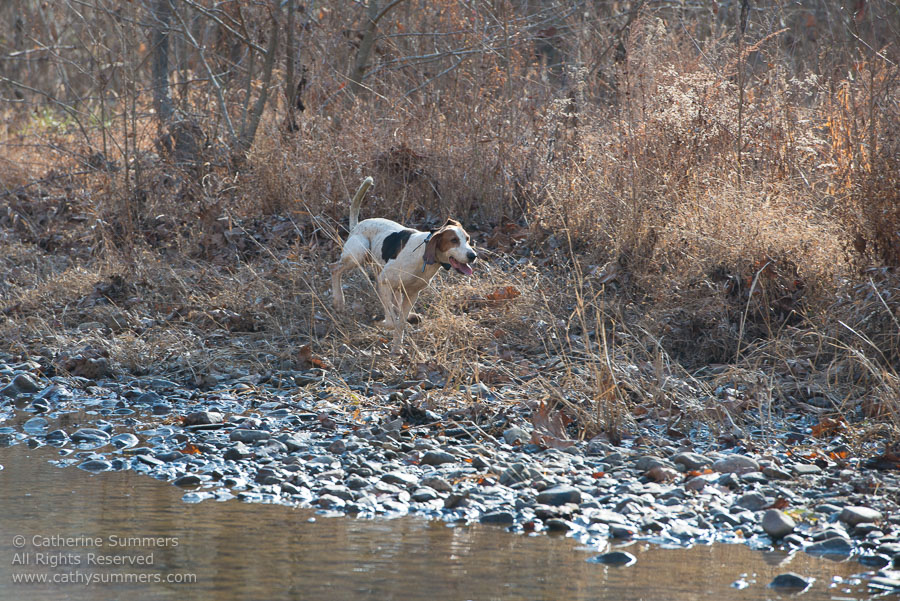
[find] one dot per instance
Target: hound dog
(407, 261)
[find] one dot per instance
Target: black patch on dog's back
(394, 243)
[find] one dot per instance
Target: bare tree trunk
(162, 11)
(249, 127)
(373, 16)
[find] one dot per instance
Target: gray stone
(187, 480)
(57, 436)
(805, 469)
(203, 418)
(777, 524)
(124, 440)
(36, 425)
(775, 473)
(498, 517)
(237, 452)
(400, 478)
(648, 462)
(95, 465)
(692, 461)
(753, 501)
(437, 483)
(249, 436)
(90, 435)
(516, 473)
(858, 515)
(735, 464)
(557, 525)
(615, 558)
(437, 458)
(559, 495)
(884, 584)
(25, 383)
(337, 447)
(791, 581)
(423, 495)
(832, 546)
(516, 435)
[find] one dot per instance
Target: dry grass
(655, 265)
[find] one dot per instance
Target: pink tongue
(461, 266)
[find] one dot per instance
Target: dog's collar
(425, 241)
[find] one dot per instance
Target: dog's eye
(454, 240)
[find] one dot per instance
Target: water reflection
(242, 551)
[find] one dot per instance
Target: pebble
(187, 480)
(692, 461)
(124, 440)
(777, 524)
(249, 436)
(615, 558)
(832, 546)
(95, 465)
(559, 495)
(90, 435)
(36, 425)
(498, 517)
(735, 464)
(857, 515)
(516, 436)
(437, 458)
(790, 581)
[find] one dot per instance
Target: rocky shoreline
(283, 439)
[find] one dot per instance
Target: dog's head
(450, 245)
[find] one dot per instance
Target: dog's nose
(471, 256)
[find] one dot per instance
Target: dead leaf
(503, 294)
(190, 449)
(550, 428)
(308, 360)
(828, 426)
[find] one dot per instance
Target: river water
(120, 535)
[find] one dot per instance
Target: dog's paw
(414, 319)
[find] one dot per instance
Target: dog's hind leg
(353, 255)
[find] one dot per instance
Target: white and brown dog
(407, 258)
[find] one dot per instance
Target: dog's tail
(357, 201)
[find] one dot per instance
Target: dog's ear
(435, 240)
(431, 247)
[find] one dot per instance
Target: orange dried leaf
(503, 294)
(190, 449)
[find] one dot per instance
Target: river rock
(249, 436)
(90, 435)
(437, 483)
(516, 435)
(124, 440)
(559, 495)
(437, 458)
(187, 480)
(498, 517)
(735, 464)
(25, 383)
(832, 546)
(858, 515)
(36, 425)
(692, 461)
(791, 581)
(615, 558)
(777, 524)
(95, 465)
(753, 501)
(203, 418)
